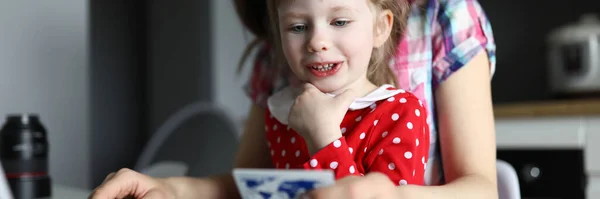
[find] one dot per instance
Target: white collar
(280, 103)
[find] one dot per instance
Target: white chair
(198, 140)
(508, 181)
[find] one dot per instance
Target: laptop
(5, 192)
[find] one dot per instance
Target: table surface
(566, 107)
(65, 192)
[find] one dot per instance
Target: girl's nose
(318, 42)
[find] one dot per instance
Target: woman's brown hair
(379, 71)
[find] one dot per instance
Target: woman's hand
(126, 183)
(317, 116)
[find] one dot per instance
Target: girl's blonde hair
(379, 71)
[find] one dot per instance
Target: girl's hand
(317, 116)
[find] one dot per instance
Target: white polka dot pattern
(395, 116)
(373, 106)
(385, 133)
(337, 143)
(403, 182)
(313, 163)
(333, 165)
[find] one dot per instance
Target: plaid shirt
(441, 37)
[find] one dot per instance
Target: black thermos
(24, 155)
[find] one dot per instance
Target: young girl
(345, 116)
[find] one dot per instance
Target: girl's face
(328, 42)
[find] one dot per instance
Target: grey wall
(229, 42)
(43, 69)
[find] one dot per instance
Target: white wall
(43, 69)
(229, 42)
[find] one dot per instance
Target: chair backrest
(200, 135)
(508, 181)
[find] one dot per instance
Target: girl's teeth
(323, 67)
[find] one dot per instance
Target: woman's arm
(467, 135)
(467, 139)
(252, 153)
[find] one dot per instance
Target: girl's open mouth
(325, 69)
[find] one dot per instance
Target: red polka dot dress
(388, 135)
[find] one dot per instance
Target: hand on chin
(317, 116)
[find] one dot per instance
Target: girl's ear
(383, 28)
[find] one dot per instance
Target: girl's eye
(298, 28)
(340, 23)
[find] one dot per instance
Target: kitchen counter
(563, 108)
